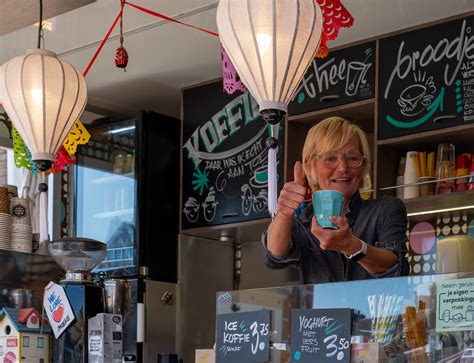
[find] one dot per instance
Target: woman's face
(340, 177)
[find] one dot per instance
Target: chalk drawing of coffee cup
(260, 177)
(356, 72)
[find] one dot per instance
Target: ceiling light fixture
(271, 44)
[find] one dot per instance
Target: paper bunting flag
(230, 77)
(335, 16)
(78, 136)
(62, 160)
(21, 153)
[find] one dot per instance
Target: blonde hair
(332, 134)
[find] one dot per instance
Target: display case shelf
(440, 203)
(114, 178)
(115, 213)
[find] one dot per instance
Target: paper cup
(327, 203)
(411, 176)
(20, 210)
(400, 181)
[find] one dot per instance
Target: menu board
(427, 79)
(344, 76)
(321, 335)
(224, 158)
(243, 337)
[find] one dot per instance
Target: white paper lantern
(43, 96)
(271, 44)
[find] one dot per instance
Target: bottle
(471, 178)
(463, 162)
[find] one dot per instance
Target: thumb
(298, 173)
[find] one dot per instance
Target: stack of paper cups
(21, 227)
(400, 181)
(411, 176)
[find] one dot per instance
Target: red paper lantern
(121, 57)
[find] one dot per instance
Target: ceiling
(165, 57)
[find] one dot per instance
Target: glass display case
(126, 186)
(406, 319)
(106, 193)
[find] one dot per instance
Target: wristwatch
(359, 254)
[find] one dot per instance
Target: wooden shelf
(438, 202)
(360, 113)
(462, 135)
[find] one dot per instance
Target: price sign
(321, 335)
(243, 337)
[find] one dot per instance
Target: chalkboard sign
(224, 158)
(344, 76)
(243, 337)
(427, 79)
(321, 335)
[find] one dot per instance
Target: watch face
(358, 256)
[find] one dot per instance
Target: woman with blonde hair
(370, 238)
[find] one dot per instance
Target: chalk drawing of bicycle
(258, 203)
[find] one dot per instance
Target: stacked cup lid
(5, 219)
(21, 231)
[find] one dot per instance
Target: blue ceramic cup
(327, 203)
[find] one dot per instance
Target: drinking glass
(445, 168)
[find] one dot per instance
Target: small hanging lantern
(271, 44)
(121, 58)
(121, 54)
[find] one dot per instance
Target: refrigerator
(126, 192)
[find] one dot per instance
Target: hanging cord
(122, 3)
(40, 26)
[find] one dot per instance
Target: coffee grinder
(77, 257)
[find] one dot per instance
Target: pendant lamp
(44, 97)
(271, 43)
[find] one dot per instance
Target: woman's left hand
(340, 239)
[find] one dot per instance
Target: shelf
(360, 113)
(114, 178)
(249, 231)
(116, 213)
(440, 203)
(459, 135)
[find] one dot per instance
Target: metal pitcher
(118, 296)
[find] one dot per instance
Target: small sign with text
(243, 337)
(321, 335)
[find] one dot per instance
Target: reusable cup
(327, 203)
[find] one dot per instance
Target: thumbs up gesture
(293, 193)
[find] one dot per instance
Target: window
(40, 342)
(26, 341)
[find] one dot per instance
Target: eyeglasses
(332, 160)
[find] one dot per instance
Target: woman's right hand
(293, 193)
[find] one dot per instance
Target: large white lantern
(43, 96)
(271, 43)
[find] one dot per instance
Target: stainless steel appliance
(77, 257)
